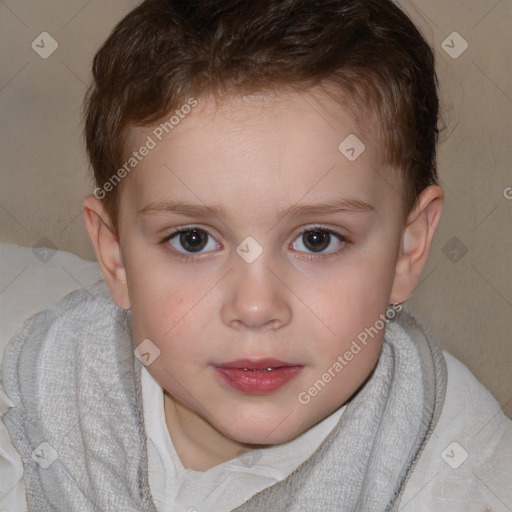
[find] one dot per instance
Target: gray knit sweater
(78, 421)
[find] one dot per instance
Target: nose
(255, 297)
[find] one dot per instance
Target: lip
(257, 377)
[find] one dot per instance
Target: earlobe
(107, 249)
(416, 242)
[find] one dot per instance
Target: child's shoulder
(79, 353)
(467, 463)
(81, 331)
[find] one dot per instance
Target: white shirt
(174, 488)
(225, 486)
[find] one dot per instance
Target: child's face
(300, 303)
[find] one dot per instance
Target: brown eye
(317, 240)
(192, 240)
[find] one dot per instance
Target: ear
(416, 241)
(107, 249)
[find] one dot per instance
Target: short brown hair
(166, 51)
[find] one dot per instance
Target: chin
(262, 432)
(262, 438)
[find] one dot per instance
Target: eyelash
(186, 257)
(323, 257)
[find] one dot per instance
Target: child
(266, 197)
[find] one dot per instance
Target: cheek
(350, 305)
(162, 306)
(162, 290)
(352, 299)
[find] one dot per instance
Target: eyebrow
(202, 210)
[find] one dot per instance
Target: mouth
(257, 377)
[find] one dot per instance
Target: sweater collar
(94, 423)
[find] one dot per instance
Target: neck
(198, 444)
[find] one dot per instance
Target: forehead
(268, 148)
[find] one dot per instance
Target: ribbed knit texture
(75, 383)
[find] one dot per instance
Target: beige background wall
(466, 290)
